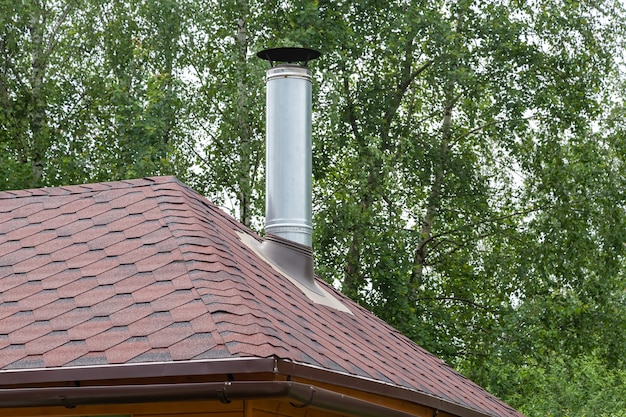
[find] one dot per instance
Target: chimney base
(295, 262)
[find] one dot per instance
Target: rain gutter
(215, 367)
(301, 396)
(310, 372)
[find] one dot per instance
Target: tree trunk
(37, 115)
(420, 257)
(354, 279)
(245, 134)
(41, 49)
(421, 254)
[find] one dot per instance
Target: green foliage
(91, 91)
(465, 194)
(469, 157)
(564, 386)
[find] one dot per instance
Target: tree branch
(484, 126)
(53, 38)
(493, 220)
(401, 91)
(351, 113)
(456, 299)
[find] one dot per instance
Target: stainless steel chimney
(288, 148)
(287, 245)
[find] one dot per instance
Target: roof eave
(229, 366)
(138, 371)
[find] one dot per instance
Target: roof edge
(231, 366)
(138, 370)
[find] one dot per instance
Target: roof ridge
(88, 188)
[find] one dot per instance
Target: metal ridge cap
(138, 370)
(387, 389)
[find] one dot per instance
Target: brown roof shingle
(149, 271)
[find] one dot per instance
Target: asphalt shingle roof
(147, 270)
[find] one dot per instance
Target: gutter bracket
(309, 401)
(222, 395)
(65, 402)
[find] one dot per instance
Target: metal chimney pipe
(287, 246)
(288, 148)
(288, 154)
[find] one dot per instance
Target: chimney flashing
(294, 259)
(294, 262)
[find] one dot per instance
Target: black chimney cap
(289, 55)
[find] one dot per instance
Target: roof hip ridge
(72, 189)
